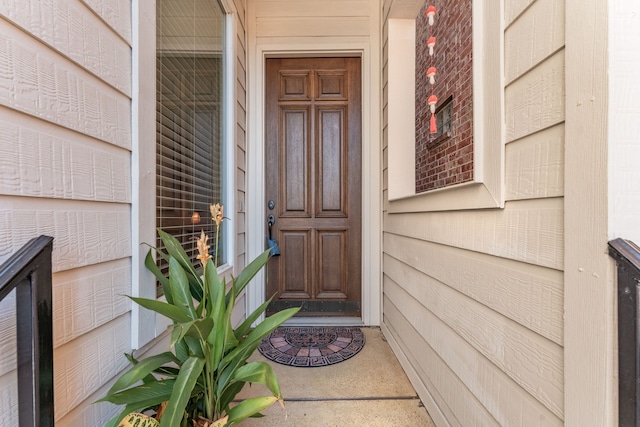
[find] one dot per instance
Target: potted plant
(196, 381)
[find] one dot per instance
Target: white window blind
(189, 119)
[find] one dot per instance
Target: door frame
(371, 170)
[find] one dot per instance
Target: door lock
(272, 243)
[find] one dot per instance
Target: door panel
(295, 163)
(296, 276)
(333, 272)
(313, 164)
(331, 168)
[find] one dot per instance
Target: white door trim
(371, 167)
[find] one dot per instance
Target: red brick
(453, 60)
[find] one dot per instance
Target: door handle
(271, 242)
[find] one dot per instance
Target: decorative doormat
(312, 346)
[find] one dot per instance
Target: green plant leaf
(182, 351)
(263, 329)
(199, 328)
(143, 395)
(212, 280)
(230, 340)
(151, 265)
(148, 378)
(195, 286)
(244, 328)
(249, 407)
(166, 309)
(205, 330)
(261, 373)
(251, 270)
(140, 370)
(229, 394)
(218, 311)
(179, 285)
(195, 346)
(175, 250)
(182, 390)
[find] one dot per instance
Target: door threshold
(324, 321)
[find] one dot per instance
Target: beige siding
(296, 19)
(240, 148)
(240, 133)
(591, 374)
(474, 299)
(65, 171)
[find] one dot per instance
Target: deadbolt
(271, 204)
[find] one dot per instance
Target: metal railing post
(627, 257)
(29, 272)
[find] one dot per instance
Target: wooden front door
(313, 184)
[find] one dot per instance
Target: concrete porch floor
(368, 390)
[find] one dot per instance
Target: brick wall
(445, 161)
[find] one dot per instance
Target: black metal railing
(627, 256)
(28, 271)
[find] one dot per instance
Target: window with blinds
(189, 120)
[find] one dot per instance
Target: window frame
(145, 325)
(486, 188)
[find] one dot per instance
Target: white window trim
(486, 189)
(143, 195)
(145, 325)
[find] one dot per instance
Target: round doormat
(311, 346)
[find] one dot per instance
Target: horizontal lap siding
(44, 84)
(474, 299)
(240, 139)
(535, 165)
(89, 297)
(87, 363)
(78, 34)
(9, 399)
(65, 171)
(530, 231)
(44, 160)
(452, 395)
(313, 19)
